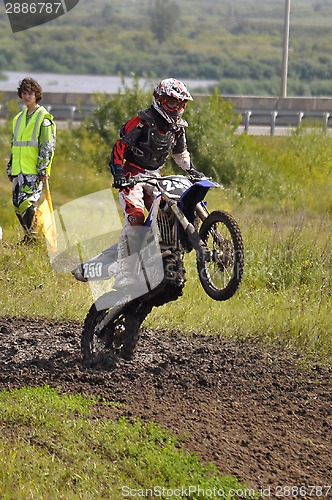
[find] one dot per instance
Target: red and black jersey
(146, 141)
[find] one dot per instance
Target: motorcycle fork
(193, 236)
(201, 211)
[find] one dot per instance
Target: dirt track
(250, 411)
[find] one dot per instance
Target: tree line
(239, 46)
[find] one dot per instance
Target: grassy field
(53, 447)
(280, 192)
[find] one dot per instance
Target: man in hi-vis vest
(33, 146)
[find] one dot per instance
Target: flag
(46, 220)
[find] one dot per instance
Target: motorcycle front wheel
(117, 338)
(220, 274)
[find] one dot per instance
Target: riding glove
(119, 178)
(195, 173)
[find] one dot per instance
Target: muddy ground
(251, 411)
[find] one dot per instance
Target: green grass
(31, 287)
(52, 446)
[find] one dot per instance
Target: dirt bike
(177, 223)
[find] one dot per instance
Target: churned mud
(251, 411)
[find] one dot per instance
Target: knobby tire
(221, 277)
(110, 342)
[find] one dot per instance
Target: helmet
(170, 97)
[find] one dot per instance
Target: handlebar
(131, 182)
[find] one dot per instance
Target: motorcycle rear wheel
(221, 275)
(118, 338)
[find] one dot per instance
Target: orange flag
(46, 220)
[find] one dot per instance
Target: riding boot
(128, 256)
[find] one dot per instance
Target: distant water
(86, 84)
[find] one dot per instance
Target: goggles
(173, 104)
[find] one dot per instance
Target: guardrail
(69, 112)
(250, 117)
(282, 118)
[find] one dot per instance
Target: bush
(113, 111)
(211, 138)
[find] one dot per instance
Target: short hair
(30, 85)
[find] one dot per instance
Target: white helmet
(170, 97)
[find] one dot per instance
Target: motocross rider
(145, 143)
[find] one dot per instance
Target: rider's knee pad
(135, 217)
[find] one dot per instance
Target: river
(86, 84)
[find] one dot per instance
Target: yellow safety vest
(25, 141)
